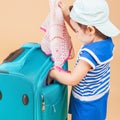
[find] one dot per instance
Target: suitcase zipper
(54, 109)
(43, 103)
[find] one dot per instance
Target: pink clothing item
(56, 41)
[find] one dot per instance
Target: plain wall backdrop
(20, 21)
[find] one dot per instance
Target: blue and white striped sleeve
(86, 56)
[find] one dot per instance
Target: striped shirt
(97, 81)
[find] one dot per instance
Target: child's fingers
(60, 4)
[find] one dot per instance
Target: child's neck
(97, 38)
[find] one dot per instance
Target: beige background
(20, 21)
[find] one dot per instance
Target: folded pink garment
(56, 41)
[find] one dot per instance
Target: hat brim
(108, 29)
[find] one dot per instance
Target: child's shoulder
(100, 51)
(102, 44)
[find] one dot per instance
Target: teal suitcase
(24, 94)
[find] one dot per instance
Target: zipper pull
(43, 103)
(54, 109)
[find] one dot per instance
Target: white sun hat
(94, 13)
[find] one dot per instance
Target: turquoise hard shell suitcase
(24, 94)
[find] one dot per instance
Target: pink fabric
(56, 40)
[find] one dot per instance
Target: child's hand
(63, 7)
(61, 4)
(49, 80)
(65, 12)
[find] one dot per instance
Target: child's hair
(97, 32)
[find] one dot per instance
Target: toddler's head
(93, 13)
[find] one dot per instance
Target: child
(91, 75)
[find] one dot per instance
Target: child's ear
(90, 30)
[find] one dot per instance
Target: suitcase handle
(24, 58)
(3, 71)
(13, 55)
(17, 52)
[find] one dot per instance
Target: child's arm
(72, 78)
(66, 12)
